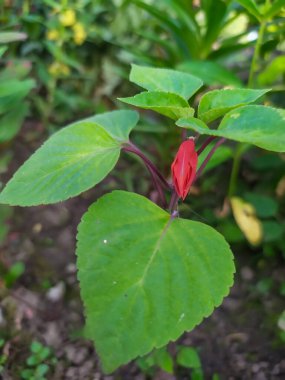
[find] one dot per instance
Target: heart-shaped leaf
(145, 277)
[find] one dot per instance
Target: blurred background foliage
(63, 60)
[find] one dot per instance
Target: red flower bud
(184, 167)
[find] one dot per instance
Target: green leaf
(165, 80)
(273, 71)
(188, 357)
(117, 123)
(221, 155)
(15, 271)
(11, 122)
(275, 8)
(195, 124)
(12, 91)
(215, 16)
(272, 230)
(217, 103)
(258, 125)
(165, 103)
(36, 347)
(251, 7)
(265, 206)
(146, 278)
(163, 360)
(210, 72)
(42, 370)
(72, 161)
(3, 49)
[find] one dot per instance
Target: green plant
(3, 357)
(68, 55)
(14, 88)
(39, 363)
(12, 274)
(186, 358)
(146, 275)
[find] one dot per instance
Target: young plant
(39, 362)
(146, 274)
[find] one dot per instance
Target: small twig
(210, 154)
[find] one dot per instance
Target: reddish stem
(133, 149)
(205, 144)
(210, 154)
(173, 202)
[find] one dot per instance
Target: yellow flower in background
(57, 69)
(79, 33)
(67, 18)
(53, 35)
(245, 217)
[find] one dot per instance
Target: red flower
(184, 167)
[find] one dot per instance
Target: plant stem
(173, 202)
(158, 179)
(205, 144)
(256, 54)
(158, 187)
(209, 156)
(235, 170)
(130, 147)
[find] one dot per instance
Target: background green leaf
(11, 122)
(211, 73)
(188, 357)
(265, 206)
(274, 70)
(166, 80)
(275, 8)
(252, 7)
(221, 155)
(146, 278)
